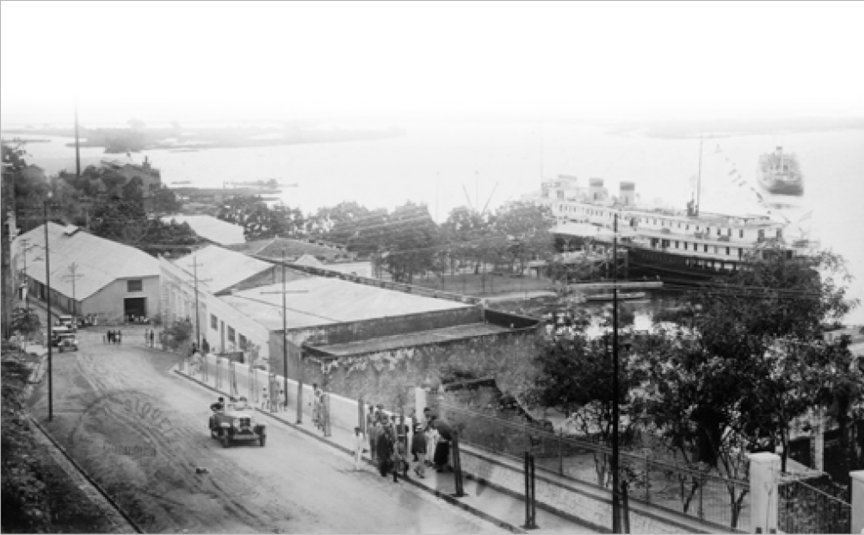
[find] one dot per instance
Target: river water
(488, 163)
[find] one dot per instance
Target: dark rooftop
(386, 343)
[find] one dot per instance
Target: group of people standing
(113, 337)
(388, 442)
(149, 337)
(274, 403)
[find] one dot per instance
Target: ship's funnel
(627, 193)
(596, 191)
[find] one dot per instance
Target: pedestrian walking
(205, 347)
(265, 398)
(401, 448)
(418, 447)
(146, 337)
(417, 428)
(385, 446)
(371, 432)
(283, 402)
(442, 448)
(316, 405)
(359, 442)
(152, 337)
(431, 441)
(110, 336)
(119, 336)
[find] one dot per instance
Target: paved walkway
(503, 509)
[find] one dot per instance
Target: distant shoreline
(119, 141)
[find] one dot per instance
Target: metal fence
(804, 508)
(705, 496)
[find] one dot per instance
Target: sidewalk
(500, 508)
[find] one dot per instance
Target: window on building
(706, 248)
(231, 335)
(243, 342)
(676, 244)
(728, 252)
(741, 233)
(134, 285)
(214, 322)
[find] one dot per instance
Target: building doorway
(135, 306)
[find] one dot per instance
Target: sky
(277, 61)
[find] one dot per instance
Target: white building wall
(181, 304)
(108, 303)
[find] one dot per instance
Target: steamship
(677, 246)
(779, 173)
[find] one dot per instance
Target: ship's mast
(698, 178)
(77, 148)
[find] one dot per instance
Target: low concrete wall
(239, 380)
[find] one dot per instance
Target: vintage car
(67, 342)
(235, 423)
(60, 333)
(67, 322)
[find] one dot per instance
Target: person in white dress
(359, 442)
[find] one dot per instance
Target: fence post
(856, 499)
(530, 501)
(457, 466)
(764, 500)
(625, 506)
(561, 453)
(647, 478)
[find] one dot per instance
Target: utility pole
(48, 305)
(195, 265)
(73, 267)
(616, 500)
(25, 246)
(285, 347)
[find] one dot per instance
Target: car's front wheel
(226, 440)
(263, 440)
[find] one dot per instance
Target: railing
(806, 509)
(707, 497)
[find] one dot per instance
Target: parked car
(235, 423)
(67, 342)
(67, 322)
(57, 333)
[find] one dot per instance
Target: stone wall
(387, 377)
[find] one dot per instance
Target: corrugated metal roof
(385, 343)
(220, 268)
(325, 301)
(98, 261)
(211, 228)
(274, 247)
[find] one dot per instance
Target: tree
(333, 223)
(408, 238)
(25, 321)
(753, 361)
(165, 201)
(526, 227)
(575, 377)
(467, 234)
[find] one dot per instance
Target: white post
(764, 501)
(857, 501)
(419, 400)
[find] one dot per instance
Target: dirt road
(141, 432)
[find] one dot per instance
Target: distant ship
(779, 173)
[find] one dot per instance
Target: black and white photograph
(432, 267)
